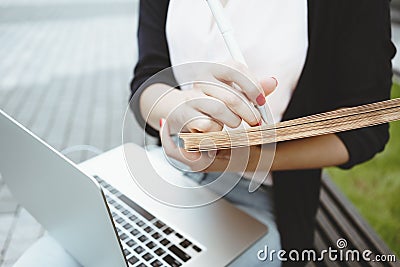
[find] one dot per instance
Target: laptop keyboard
(146, 240)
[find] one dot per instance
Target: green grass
(374, 187)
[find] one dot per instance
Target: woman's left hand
(231, 160)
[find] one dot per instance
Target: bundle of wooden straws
(324, 123)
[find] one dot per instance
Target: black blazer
(348, 63)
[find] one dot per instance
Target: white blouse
(272, 35)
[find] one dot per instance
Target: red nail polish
(276, 81)
(260, 100)
(259, 123)
(160, 122)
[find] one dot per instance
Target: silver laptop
(102, 218)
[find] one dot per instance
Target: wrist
(156, 102)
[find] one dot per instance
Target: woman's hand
(227, 98)
(299, 154)
(229, 160)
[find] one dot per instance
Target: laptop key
(178, 235)
(125, 212)
(180, 253)
(156, 235)
(126, 252)
(159, 224)
(141, 265)
(143, 238)
(131, 243)
(148, 229)
(147, 256)
(134, 232)
(123, 236)
(156, 263)
(151, 245)
(119, 220)
(133, 217)
(127, 226)
(159, 251)
(196, 248)
(140, 223)
(136, 207)
(139, 250)
(102, 182)
(133, 260)
(185, 243)
(168, 230)
(114, 191)
(165, 242)
(171, 261)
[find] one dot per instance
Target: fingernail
(260, 100)
(259, 123)
(161, 123)
(276, 81)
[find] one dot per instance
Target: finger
(236, 102)
(269, 85)
(217, 110)
(240, 75)
(204, 124)
(190, 119)
(194, 120)
(170, 148)
(195, 160)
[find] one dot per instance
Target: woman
(325, 54)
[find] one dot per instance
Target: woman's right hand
(196, 110)
(208, 106)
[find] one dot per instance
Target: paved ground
(65, 68)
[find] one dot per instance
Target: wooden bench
(337, 219)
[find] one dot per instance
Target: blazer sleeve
(153, 54)
(370, 78)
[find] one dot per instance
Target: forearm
(151, 109)
(308, 153)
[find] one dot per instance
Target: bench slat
(351, 234)
(341, 220)
(350, 211)
(337, 216)
(329, 233)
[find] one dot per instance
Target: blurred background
(65, 68)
